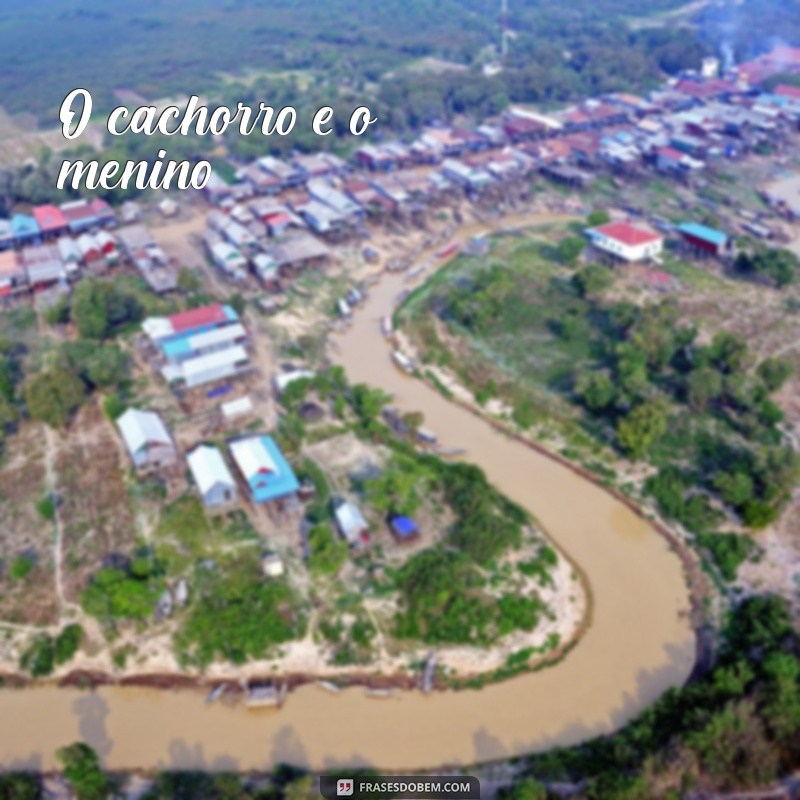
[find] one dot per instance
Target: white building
(212, 476)
(626, 242)
(146, 439)
(208, 368)
(350, 522)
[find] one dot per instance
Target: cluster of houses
(253, 469)
(626, 242)
(265, 219)
(262, 472)
(199, 346)
(51, 244)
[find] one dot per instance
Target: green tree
(328, 553)
(98, 307)
(729, 352)
(704, 385)
(774, 372)
(642, 428)
(67, 643)
(569, 249)
(592, 280)
(598, 217)
(53, 396)
(83, 771)
(596, 390)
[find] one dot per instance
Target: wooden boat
(266, 695)
(403, 361)
(328, 686)
(216, 693)
(381, 694)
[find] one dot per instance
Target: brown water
(639, 643)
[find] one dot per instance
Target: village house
(211, 475)
(704, 241)
(266, 269)
(70, 254)
(226, 258)
(298, 252)
(187, 323)
(83, 215)
(266, 472)
(625, 242)
(286, 174)
(139, 247)
(12, 273)
(183, 348)
(212, 367)
(43, 266)
(471, 179)
(146, 439)
(51, 221)
(351, 524)
(90, 250)
(26, 229)
(342, 204)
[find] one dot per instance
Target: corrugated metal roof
(209, 468)
(139, 428)
(263, 465)
(703, 232)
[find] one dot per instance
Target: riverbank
(638, 645)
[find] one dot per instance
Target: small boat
(426, 436)
(448, 250)
(216, 693)
(386, 326)
(403, 361)
(429, 673)
(381, 694)
(344, 308)
(265, 695)
(328, 686)
(449, 452)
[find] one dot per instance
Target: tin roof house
(146, 439)
(51, 220)
(211, 475)
(264, 468)
(26, 229)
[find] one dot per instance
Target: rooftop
(627, 234)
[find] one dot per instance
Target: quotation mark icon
(344, 787)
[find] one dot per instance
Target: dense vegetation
(644, 383)
(736, 728)
(351, 44)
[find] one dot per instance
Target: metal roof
(208, 468)
(703, 232)
(139, 428)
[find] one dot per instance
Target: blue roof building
(703, 238)
(404, 528)
(264, 467)
(25, 228)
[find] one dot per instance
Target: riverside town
(454, 441)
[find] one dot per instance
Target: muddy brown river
(638, 645)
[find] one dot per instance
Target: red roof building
(50, 219)
(204, 317)
(626, 242)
